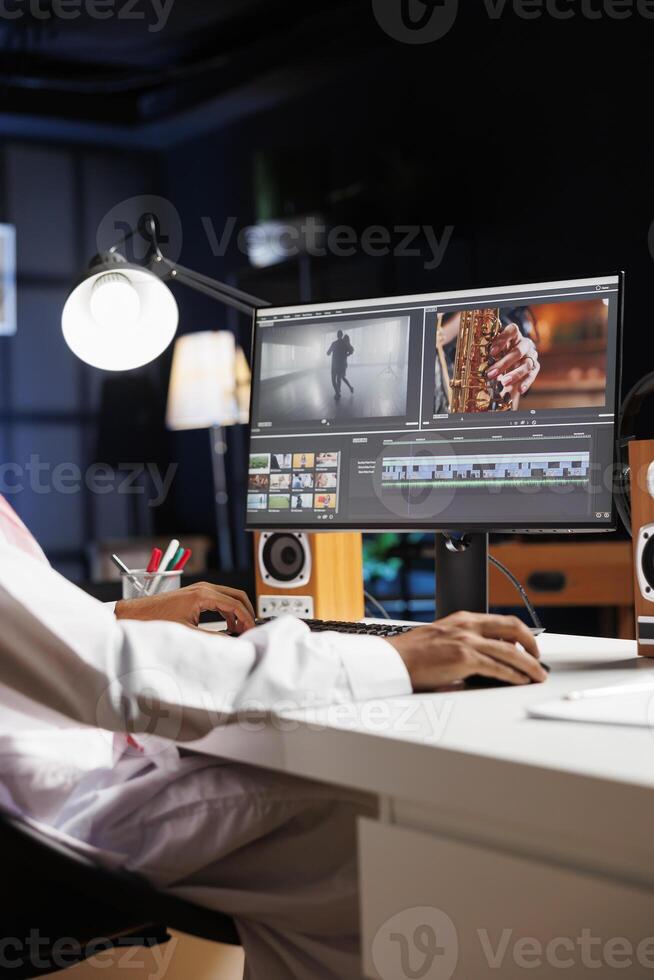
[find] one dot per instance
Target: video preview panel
(546, 356)
(341, 373)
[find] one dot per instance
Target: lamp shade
(203, 382)
(119, 316)
(243, 386)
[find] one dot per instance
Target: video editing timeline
(515, 388)
(294, 483)
(526, 469)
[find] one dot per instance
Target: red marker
(155, 558)
(183, 561)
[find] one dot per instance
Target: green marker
(178, 555)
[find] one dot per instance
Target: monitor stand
(461, 573)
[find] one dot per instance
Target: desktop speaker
(313, 576)
(641, 466)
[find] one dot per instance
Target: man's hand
(470, 643)
(185, 606)
(516, 360)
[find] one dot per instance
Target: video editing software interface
(490, 409)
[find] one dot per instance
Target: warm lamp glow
(243, 386)
(208, 383)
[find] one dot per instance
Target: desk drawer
(435, 909)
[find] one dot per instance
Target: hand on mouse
(464, 644)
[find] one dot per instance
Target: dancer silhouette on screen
(348, 353)
(339, 352)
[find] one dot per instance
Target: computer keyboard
(366, 629)
(360, 629)
(326, 625)
(370, 629)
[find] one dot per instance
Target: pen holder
(140, 584)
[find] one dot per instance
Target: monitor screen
(486, 409)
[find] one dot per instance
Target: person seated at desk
(275, 852)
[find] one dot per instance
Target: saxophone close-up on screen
(470, 390)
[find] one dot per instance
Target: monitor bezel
(537, 527)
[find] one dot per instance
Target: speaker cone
(283, 557)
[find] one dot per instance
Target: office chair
(51, 892)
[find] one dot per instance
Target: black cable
(514, 581)
(505, 571)
(371, 599)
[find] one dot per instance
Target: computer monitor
(386, 414)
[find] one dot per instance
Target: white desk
(518, 830)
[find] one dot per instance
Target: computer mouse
(477, 681)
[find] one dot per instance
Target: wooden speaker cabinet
(313, 576)
(641, 464)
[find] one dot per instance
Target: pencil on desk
(126, 571)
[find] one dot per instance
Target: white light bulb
(115, 301)
(118, 321)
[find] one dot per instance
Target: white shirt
(13, 531)
(67, 662)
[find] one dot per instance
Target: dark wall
(515, 133)
(50, 403)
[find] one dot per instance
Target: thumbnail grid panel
(294, 482)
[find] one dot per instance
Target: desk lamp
(210, 389)
(121, 315)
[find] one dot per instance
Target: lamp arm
(213, 288)
(163, 267)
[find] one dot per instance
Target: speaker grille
(647, 562)
(283, 558)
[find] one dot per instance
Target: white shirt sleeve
(66, 651)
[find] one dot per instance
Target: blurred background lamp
(210, 389)
(243, 386)
(202, 390)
